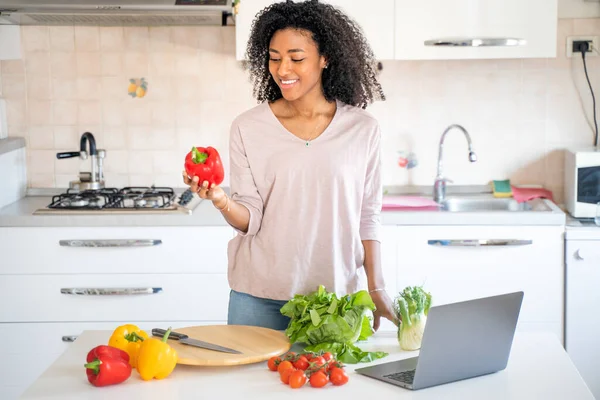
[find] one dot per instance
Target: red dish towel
(525, 194)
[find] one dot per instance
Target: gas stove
(125, 200)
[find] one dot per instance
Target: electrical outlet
(593, 50)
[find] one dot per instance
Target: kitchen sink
(487, 203)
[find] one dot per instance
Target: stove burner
(111, 198)
(146, 203)
(80, 202)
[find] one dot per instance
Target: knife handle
(172, 335)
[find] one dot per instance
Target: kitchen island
(538, 368)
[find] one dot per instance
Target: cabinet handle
(479, 242)
(110, 291)
(110, 243)
(578, 255)
(69, 339)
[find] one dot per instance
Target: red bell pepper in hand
(107, 365)
(205, 163)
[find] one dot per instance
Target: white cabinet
(389, 262)
(532, 20)
(56, 282)
(526, 258)
(398, 29)
(10, 42)
(582, 304)
(375, 17)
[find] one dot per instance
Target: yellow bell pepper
(128, 338)
(156, 358)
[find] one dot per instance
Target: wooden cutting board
(257, 344)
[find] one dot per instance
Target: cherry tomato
(338, 376)
(318, 379)
(318, 360)
(297, 379)
(284, 365)
(301, 363)
(327, 356)
(285, 375)
(273, 363)
(334, 364)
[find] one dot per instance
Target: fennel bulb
(412, 306)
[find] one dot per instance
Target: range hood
(115, 12)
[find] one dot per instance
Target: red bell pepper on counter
(107, 365)
(205, 163)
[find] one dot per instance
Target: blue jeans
(245, 309)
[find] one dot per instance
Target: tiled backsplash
(520, 113)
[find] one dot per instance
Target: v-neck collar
(294, 137)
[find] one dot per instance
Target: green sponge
(502, 188)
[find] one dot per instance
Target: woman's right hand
(215, 193)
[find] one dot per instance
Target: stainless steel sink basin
(487, 203)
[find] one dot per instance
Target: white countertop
(538, 368)
(20, 214)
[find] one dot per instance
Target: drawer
(94, 250)
(177, 297)
(457, 273)
(25, 357)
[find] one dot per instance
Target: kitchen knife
(185, 339)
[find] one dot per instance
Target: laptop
(461, 341)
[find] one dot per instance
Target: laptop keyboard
(404, 376)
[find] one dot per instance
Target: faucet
(95, 178)
(439, 186)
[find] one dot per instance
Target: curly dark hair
(350, 76)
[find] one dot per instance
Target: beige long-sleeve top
(310, 206)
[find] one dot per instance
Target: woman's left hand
(384, 308)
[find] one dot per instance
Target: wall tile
(112, 39)
(35, 38)
(65, 138)
(521, 113)
(87, 38)
(62, 38)
(41, 137)
(63, 65)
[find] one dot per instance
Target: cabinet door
(114, 297)
(462, 272)
(375, 17)
(389, 243)
(112, 250)
(582, 304)
(247, 11)
(532, 20)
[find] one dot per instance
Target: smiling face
(295, 63)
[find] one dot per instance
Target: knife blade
(185, 339)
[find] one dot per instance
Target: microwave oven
(582, 182)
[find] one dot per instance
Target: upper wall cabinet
(375, 17)
(533, 22)
(10, 42)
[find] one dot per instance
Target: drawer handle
(69, 338)
(479, 242)
(110, 291)
(110, 243)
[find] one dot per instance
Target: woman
(305, 169)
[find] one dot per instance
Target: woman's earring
(325, 66)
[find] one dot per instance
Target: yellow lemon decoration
(137, 87)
